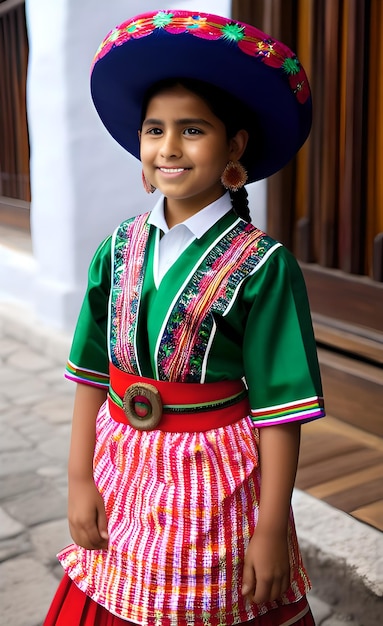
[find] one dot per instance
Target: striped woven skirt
(181, 510)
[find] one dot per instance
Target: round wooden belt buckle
(142, 406)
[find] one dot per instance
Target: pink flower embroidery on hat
(207, 30)
(269, 51)
(300, 86)
(194, 24)
(122, 34)
(297, 78)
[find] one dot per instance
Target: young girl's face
(184, 149)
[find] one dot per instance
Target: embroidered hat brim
(236, 57)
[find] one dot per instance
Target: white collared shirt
(176, 239)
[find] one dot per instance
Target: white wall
(83, 183)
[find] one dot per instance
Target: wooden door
(327, 205)
(14, 142)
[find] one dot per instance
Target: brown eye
(192, 131)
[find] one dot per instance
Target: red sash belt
(149, 404)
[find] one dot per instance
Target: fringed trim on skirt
(72, 607)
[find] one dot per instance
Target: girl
(194, 353)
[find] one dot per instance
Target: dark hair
(234, 114)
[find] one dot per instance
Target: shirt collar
(197, 224)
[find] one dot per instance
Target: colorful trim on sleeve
(304, 410)
(87, 377)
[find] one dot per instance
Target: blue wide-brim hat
(236, 57)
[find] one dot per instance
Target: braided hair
(240, 203)
(234, 114)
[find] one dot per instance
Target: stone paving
(35, 412)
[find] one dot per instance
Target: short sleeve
(280, 358)
(88, 360)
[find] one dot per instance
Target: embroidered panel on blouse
(130, 246)
(211, 286)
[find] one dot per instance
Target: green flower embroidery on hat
(162, 19)
(114, 34)
(131, 28)
(233, 32)
(291, 65)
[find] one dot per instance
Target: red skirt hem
(72, 606)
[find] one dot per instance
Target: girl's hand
(86, 515)
(266, 571)
(86, 512)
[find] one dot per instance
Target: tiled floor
(343, 466)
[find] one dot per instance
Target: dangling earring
(147, 185)
(234, 176)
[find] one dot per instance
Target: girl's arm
(86, 511)
(266, 573)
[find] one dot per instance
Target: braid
(240, 203)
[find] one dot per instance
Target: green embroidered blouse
(233, 305)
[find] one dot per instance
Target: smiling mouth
(173, 170)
